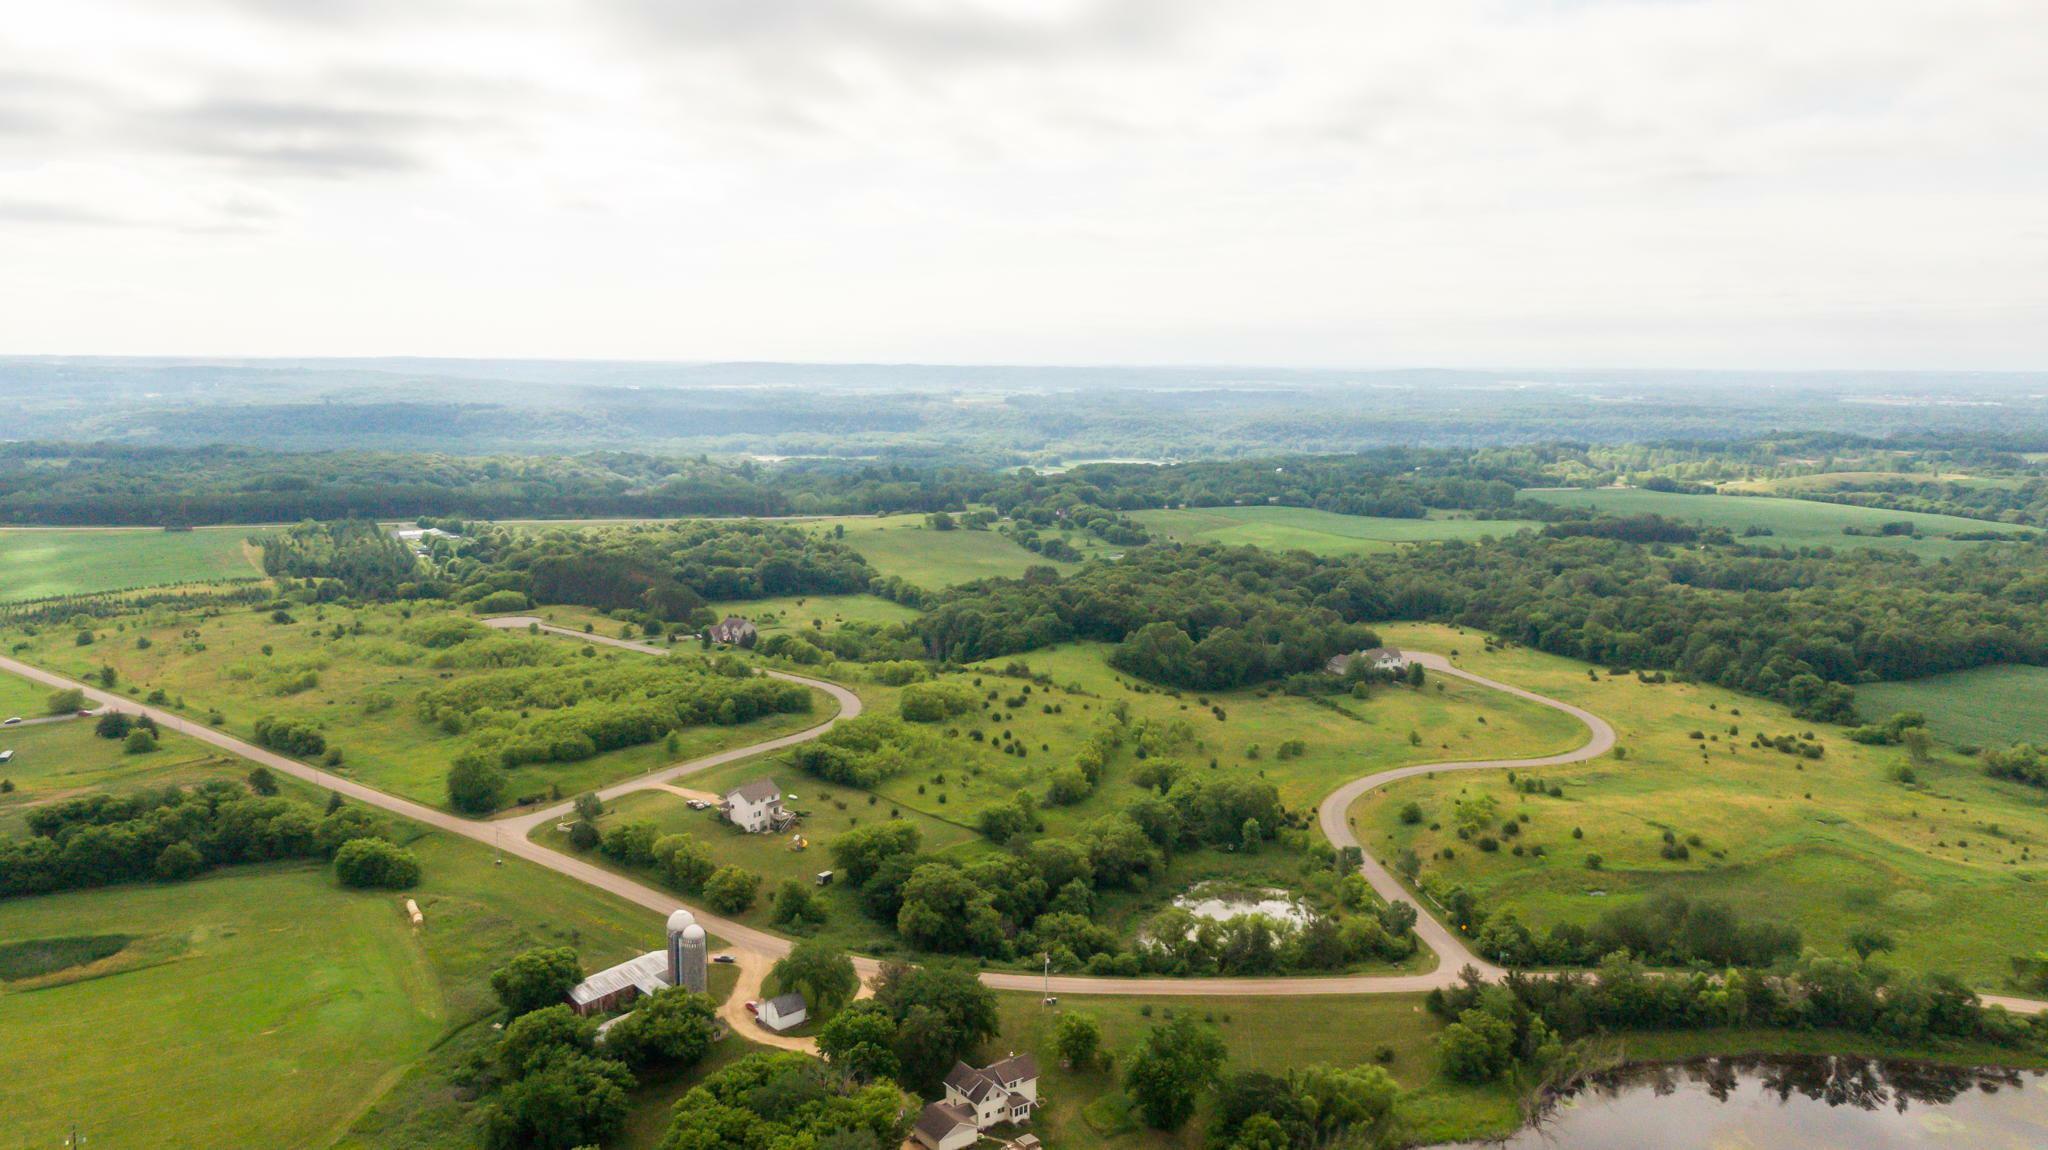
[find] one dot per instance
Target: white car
(13, 722)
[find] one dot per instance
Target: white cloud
(1744, 183)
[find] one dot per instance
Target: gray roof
(757, 791)
(1016, 1068)
(940, 1119)
(786, 1004)
(648, 973)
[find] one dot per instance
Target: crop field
(1986, 706)
(1791, 522)
(903, 545)
(359, 688)
(1320, 532)
(1944, 862)
(37, 563)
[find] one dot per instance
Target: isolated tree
(1078, 1038)
(113, 725)
(731, 889)
(821, 971)
(589, 806)
(536, 978)
(476, 785)
(139, 742)
(262, 780)
(67, 701)
(1178, 1060)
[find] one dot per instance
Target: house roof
(1015, 1068)
(647, 974)
(786, 1004)
(940, 1119)
(757, 791)
(1377, 653)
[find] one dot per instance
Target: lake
(1804, 1103)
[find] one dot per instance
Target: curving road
(755, 946)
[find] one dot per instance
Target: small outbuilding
(783, 1012)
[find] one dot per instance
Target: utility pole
(76, 1140)
(1045, 996)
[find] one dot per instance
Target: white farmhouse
(1000, 1092)
(755, 807)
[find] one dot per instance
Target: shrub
(375, 863)
(140, 742)
(731, 889)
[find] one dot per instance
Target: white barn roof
(648, 974)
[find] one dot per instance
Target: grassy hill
(1984, 706)
(38, 563)
(1791, 522)
(1306, 529)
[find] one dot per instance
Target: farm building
(1375, 659)
(680, 963)
(783, 1012)
(756, 807)
(735, 631)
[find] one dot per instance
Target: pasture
(1944, 861)
(1984, 706)
(353, 673)
(1319, 532)
(56, 761)
(1789, 522)
(37, 563)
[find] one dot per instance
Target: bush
(293, 737)
(731, 889)
(375, 863)
(140, 742)
(179, 861)
(476, 785)
(68, 701)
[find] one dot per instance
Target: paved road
(756, 947)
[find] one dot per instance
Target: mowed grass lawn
(1951, 866)
(364, 691)
(57, 761)
(277, 1006)
(36, 563)
(1792, 522)
(1984, 706)
(1320, 532)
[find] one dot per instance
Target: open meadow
(1942, 857)
(38, 563)
(357, 675)
(61, 760)
(1319, 532)
(1789, 522)
(904, 546)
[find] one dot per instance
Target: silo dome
(693, 933)
(680, 921)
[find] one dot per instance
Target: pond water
(1223, 904)
(1795, 1104)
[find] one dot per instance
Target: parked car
(13, 722)
(725, 958)
(753, 1007)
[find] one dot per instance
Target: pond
(1223, 902)
(1805, 1103)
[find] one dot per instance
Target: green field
(36, 563)
(1826, 845)
(1791, 522)
(245, 666)
(262, 1007)
(902, 545)
(1320, 532)
(1985, 706)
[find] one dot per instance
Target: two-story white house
(755, 807)
(999, 1092)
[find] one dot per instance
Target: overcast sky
(1542, 183)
